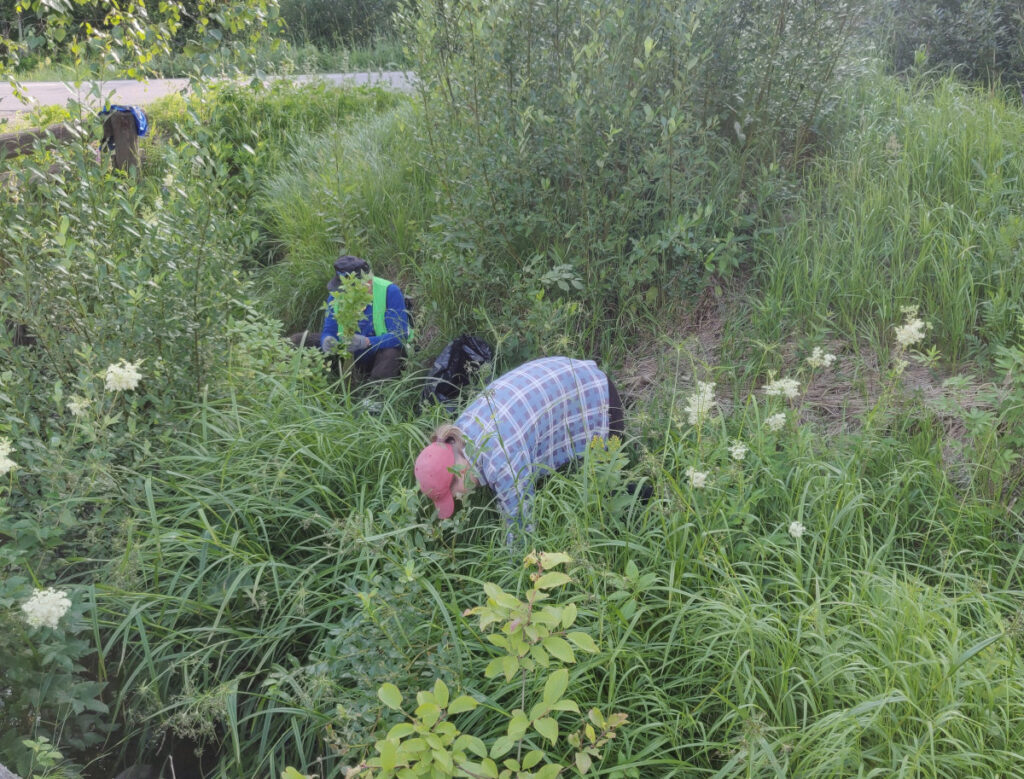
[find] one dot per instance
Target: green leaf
(462, 703)
(648, 45)
(583, 762)
(501, 746)
(550, 771)
(471, 744)
(388, 755)
(547, 727)
(549, 560)
(400, 731)
(560, 648)
(532, 758)
(632, 572)
(291, 773)
(552, 579)
(390, 696)
(583, 641)
(494, 667)
(489, 768)
(441, 694)
(555, 686)
(568, 616)
(517, 724)
(510, 665)
(443, 759)
(430, 713)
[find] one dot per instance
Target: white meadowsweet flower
(123, 375)
(787, 388)
(6, 463)
(796, 529)
(775, 422)
(701, 402)
(78, 405)
(698, 479)
(738, 450)
(46, 607)
(820, 358)
(910, 332)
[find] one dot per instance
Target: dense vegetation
(802, 270)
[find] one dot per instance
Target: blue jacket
(396, 320)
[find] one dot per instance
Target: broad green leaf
(583, 762)
(501, 746)
(495, 667)
(532, 758)
(550, 771)
(583, 641)
(512, 765)
(548, 728)
(510, 665)
(632, 572)
(400, 731)
(429, 713)
(566, 704)
(569, 616)
(549, 560)
(552, 579)
(471, 744)
(390, 696)
(560, 648)
(291, 773)
(441, 694)
(462, 703)
(517, 724)
(555, 686)
(443, 759)
(489, 768)
(388, 755)
(648, 45)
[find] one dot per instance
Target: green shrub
(979, 39)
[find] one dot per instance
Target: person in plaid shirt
(531, 421)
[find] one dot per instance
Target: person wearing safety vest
(381, 336)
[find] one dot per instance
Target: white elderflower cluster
(786, 388)
(6, 463)
(820, 358)
(912, 330)
(796, 529)
(738, 450)
(46, 607)
(78, 405)
(775, 422)
(123, 376)
(698, 479)
(701, 402)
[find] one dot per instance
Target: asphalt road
(128, 92)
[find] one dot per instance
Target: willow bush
(616, 139)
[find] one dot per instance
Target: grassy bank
(826, 582)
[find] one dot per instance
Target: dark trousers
(382, 364)
(616, 414)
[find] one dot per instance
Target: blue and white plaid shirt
(532, 420)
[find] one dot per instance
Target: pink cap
(434, 475)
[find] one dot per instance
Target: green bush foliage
(612, 138)
(979, 39)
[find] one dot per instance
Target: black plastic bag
(454, 369)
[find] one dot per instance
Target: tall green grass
(919, 205)
(284, 565)
(359, 189)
